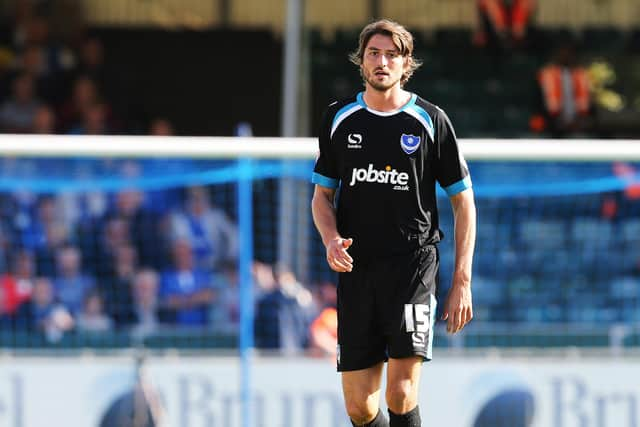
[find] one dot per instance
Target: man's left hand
(458, 309)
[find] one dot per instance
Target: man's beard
(377, 85)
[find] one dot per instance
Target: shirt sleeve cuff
(324, 181)
(458, 187)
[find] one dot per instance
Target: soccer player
(382, 152)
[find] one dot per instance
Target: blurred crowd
(142, 262)
(54, 78)
(120, 266)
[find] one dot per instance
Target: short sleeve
(452, 171)
(325, 172)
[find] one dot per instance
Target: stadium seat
(543, 235)
(630, 231)
(603, 40)
(514, 121)
(346, 39)
(488, 291)
(591, 231)
(631, 315)
(453, 39)
(447, 92)
(555, 36)
(520, 66)
(433, 66)
(633, 44)
(316, 39)
(466, 120)
(625, 288)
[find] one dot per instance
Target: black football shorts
(387, 308)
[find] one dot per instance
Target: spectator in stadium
(17, 113)
(117, 284)
(5, 240)
(281, 322)
(290, 284)
(186, 289)
(39, 36)
(213, 236)
(35, 30)
(264, 280)
(143, 229)
(42, 313)
(44, 121)
(7, 59)
(91, 62)
(147, 314)
(565, 104)
(84, 94)
(92, 317)
(504, 24)
(34, 235)
(17, 285)
(43, 233)
(82, 211)
(168, 199)
(161, 127)
(224, 316)
(48, 76)
(323, 332)
(70, 284)
(57, 235)
(20, 209)
(101, 245)
(243, 128)
(94, 121)
(6, 318)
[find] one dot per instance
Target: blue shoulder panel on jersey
(343, 113)
(458, 187)
(411, 103)
(324, 181)
(423, 117)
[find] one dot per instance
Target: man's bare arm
(459, 307)
(324, 217)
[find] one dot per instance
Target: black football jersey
(385, 166)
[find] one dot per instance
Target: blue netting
(557, 242)
(491, 179)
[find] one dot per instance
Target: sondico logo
(399, 180)
(354, 140)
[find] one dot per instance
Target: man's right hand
(337, 256)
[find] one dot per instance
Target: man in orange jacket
(504, 23)
(565, 96)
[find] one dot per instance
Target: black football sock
(378, 421)
(410, 419)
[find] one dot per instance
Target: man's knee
(361, 409)
(401, 396)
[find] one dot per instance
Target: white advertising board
(60, 392)
(204, 392)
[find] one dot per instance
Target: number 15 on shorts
(417, 319)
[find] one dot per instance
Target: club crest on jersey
(409, 143)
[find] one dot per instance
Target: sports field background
(555, 337)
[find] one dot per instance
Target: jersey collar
(360, 101)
